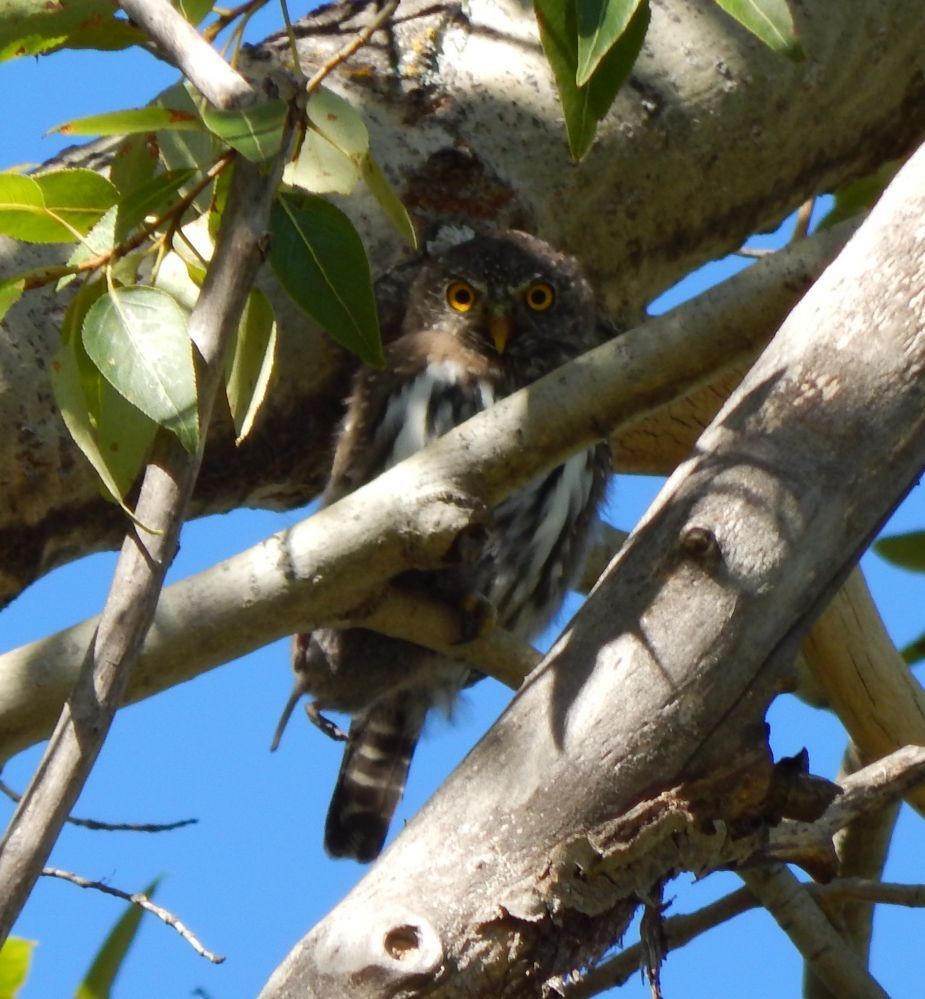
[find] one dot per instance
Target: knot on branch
(699, 543)
(398, 950)
(445, 526)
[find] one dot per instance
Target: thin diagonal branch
(143, 902)
(129, 609)
(799, 916)
(682, 929)
(190, 53)
(97, 826)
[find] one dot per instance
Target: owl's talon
(478, 617)
(325, 724)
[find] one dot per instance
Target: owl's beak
(499, 327)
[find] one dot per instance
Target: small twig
(681, 929)
(175, 212)
(870, 789)
(361, 38)
(143, 902)
(801, 224)
(222, 21)
(222, 86)
(144, 827)
(799, 916)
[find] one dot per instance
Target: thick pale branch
(863, 677)
(325, 570)
(540, 841)
(190, 53)
(801, 918)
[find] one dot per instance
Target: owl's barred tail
(372, 777)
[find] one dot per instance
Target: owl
(481, 320)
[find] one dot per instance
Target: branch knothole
(699, 543)
(400, 941)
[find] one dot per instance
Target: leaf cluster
(126, 366)
(592, 45)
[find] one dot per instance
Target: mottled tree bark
(713, 138)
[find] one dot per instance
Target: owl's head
(509, 296)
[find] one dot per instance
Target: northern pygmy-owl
(483, 319)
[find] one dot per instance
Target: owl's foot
(325, 724)
(478, 617)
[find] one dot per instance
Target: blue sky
(250, 878)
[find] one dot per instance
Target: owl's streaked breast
(427, 406)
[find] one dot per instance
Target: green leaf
(10, 293)
(134, 161)
(23, 214)
(151, 198)
(183, 150)
(31, 27)
(380, 188)
(132, 121)
(249, 366)
(584, 106)
(77, 197)
(220, 189)
(256, 133)
(335, 147)
(138, 339)
(53, 207)
(15, 957)
(600, 25)
(860, 195)
(193, 10)
(914, 652)
(769, 21)
(904, 550)
(321, 167)
(319, 259)
(98, 981)
(113, 436)
(100, 239)
(339, 122)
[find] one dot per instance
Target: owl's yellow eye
(460, 296)
(539, 296)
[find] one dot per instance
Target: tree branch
(143, 902)
(129, 609)
(325, 570)
(681, 929)
(863, 677)
(568, 810)
(862, 847)
(832, 960)
(190, 53)
(98, 826)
